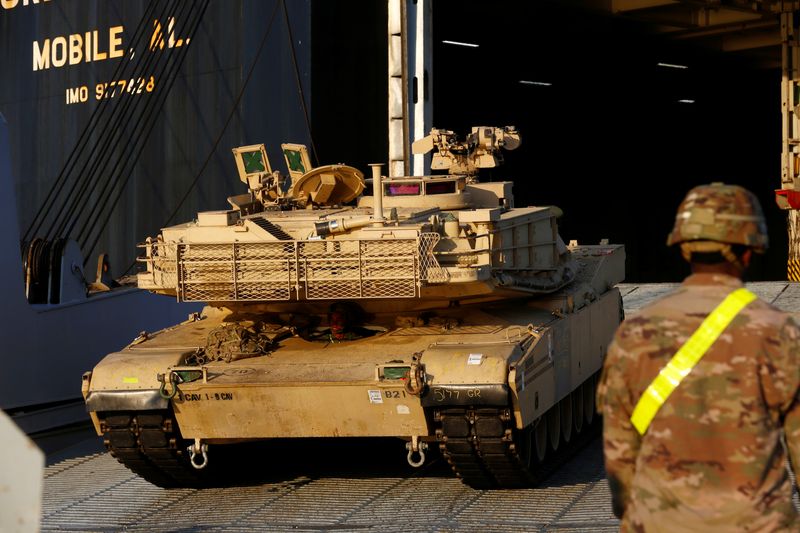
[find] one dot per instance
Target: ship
(114, 117)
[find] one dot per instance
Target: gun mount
(480, 149)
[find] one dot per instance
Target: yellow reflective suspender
(687, 357)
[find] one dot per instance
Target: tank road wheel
(577, 409)
(554, 427)
(588, 390)
(565, 411)
(532, 447)
(523, 445)
(539, 440)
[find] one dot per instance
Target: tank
(429, 308)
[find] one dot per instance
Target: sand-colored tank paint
(464, 323)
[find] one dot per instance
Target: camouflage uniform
(712, 457)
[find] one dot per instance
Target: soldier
(699, 386)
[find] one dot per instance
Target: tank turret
(435, 239)
(429, 308)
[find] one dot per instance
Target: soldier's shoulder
(654, 326)
(768, 314)
(761, 324)
(672, 306)
(699, 301)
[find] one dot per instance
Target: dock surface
(356, 486)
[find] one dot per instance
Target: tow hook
(180, 375)
(416, 447)
(163, 390)
(198, 449)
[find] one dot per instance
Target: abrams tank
(430, 308)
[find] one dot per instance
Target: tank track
(486, 451)
(149, 444)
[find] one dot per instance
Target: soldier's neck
(718, 268)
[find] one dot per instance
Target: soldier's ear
(746, 256)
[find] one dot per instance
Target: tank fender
(468, 374)
(135, 369)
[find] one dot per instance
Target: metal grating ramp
(97, 494)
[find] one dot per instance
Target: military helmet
(713, 217)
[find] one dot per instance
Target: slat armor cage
(286, 270)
